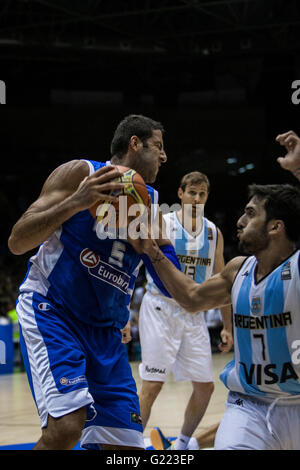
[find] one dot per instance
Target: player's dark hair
(195, 177)
(134, 124)
(281, 201)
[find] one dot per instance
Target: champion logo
(44, 306)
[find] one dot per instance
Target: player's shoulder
(211, 224)
(69, 174)
(69, 170)
(233, 267)
(75, 166)
(213, 231)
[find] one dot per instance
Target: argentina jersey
(266, 322)
(89, 277)
(196, 254)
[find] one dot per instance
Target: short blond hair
(195, 177)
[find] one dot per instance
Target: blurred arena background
(218, 74)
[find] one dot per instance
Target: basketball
(134, 192)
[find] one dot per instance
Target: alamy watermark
(137, 221)
(2, 92)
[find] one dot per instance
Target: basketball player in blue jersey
(75, 299)
(171, 338)
(263, 406)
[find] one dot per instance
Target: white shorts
(173, 340)
(250, 423)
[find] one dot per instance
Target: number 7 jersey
(266, 322)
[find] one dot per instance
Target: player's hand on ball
(97, 186)
(141, 242)
(291, 161)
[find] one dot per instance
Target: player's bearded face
(254, 241)
(252, 229)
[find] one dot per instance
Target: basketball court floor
(20, 425)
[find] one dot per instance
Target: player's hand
(126, 333)
(144, 239)
(291, 161)
(226, 341)
(96, 187)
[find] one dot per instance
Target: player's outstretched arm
(66, 191)
(291, 161)
(219, 265)
(193, 297)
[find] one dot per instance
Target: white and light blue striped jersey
(80, 273)
(266, 321)
(196, 254)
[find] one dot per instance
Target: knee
(210, 387)
(64, 432)
(205, 388)
(150, 390)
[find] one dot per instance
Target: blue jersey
(89, 277)
(196, 254)
(266, 321)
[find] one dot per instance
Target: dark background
(218, 74)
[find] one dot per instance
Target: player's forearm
(36, 227)
(179, 286)
(226, 317)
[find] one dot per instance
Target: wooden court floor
(19, 421)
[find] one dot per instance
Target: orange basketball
(133, 192)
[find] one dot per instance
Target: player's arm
(160, 235)
(291, 161)
(219, 265)
(193, 297)
(66, 191)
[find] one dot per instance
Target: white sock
(181, 442)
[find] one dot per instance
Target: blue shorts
(71, 364)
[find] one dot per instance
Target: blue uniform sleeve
(170, 253)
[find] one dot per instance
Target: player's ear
(180, 193)
(135, 143)
(276, 226)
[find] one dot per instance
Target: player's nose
(163, 156)
(240, 223)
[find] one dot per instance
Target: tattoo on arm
(157, 257)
